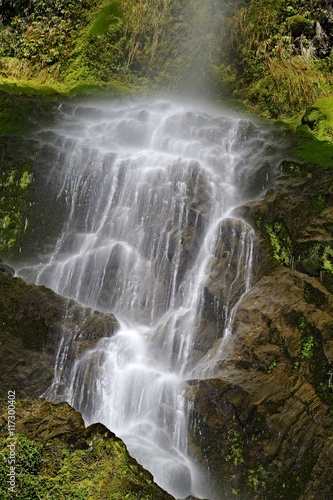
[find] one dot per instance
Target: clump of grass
(289, 86)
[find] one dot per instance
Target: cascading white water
(150, 186)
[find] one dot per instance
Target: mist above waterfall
(149, 187)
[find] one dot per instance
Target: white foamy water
(148, 186)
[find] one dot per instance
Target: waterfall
(149, 235)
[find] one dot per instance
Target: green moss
(318, 204)
(302, 323)
(235, 450)
(308, 346)
(110, 14)
(280, 242)
(310, 149)
(312, 117)
(93, 90)
(318, 257)
(328, 259)
(300, 25)
(52, 469)
(258, 477)
(272, 366)
(28, 462)
(323, 125)
(14, 203)
(308, 342)
(24, 108)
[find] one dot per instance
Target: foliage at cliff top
(276, 55)
(143, 45)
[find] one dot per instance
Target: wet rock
(5, 270)
(294, 222)
(33, 322)
(252, 185)
(226, 282)
(264, 423)
(54, 444)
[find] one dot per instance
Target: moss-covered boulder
(57, 457)
(33, 322)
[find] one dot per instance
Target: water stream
(150, 186)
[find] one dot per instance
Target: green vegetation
(14, 202)
(272, 366)
(277, 55)
(52, 470)
(51, 466)
(310, 149)
(302, 323)
(258, 477)
(22, 107)
(308, 347)
(312, 258)
(270, 56)
(108, 44)
(318, 257)
(110, 14)
(319, 118)
(318, 204)
(235, 454)
(280, 242)
(307, 340)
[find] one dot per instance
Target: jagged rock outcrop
(33, 321)
(57, 457)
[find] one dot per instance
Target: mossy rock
(110, 14)
(300, 25)
(264, 423)
(312, 117)
(57, 457)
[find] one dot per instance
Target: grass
(33, 88)
(287, 87)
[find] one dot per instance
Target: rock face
(57, 457)
(263, 424)
(296, 220)
(33, 320)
